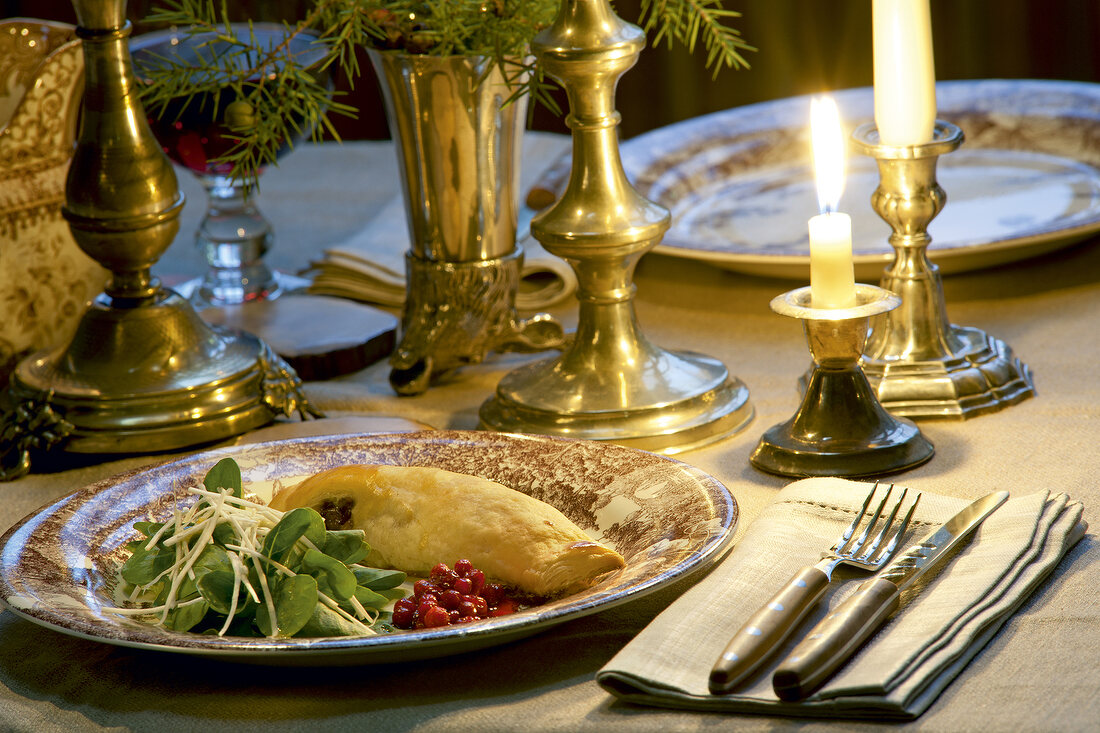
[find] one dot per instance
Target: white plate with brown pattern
(58, 567)
(740, 187)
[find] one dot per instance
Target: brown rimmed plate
(668, 519)
(740, 187)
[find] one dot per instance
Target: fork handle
(767, 629)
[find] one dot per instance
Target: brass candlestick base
(611, 383)
(840, 429)
(153, 378)
(143, 373)
(920, 363)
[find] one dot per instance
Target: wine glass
(195, 132)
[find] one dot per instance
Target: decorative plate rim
(641, 153)
(86, 623)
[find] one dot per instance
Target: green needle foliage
(282, 99)
(688, 21)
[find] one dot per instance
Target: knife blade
(840, 633)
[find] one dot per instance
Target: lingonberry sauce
(449, 595)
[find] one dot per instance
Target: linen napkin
(941, 625)
(370, 265)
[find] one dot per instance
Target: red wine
(193, 132)
(193, 137)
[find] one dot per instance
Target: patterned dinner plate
(668, 519)
(740, 186)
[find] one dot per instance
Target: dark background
(804, 46)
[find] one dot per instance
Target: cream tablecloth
(1041, 672)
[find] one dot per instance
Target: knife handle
(833, 640)
(767, 629)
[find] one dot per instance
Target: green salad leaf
(230, 565)
(225, 474)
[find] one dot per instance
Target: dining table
(1039, 672)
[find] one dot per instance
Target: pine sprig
(284, 99)
(287, 100)
(685, 21)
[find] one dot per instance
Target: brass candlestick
(840, 428)
(920, 363)
(143, 373)
(610, 383)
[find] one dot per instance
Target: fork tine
(901, 530)
(869, 555)
(854, 549)
(855, 522)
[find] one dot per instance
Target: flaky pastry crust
(416, 517)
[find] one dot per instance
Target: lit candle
(832, 276)
(905, 78)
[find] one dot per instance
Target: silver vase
(458, 149)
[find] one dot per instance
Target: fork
(770, 626)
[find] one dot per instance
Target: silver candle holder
(610, 383)
(920, 363)
(840, 429)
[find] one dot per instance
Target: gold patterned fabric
(45, 280)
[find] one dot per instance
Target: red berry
(427, 604)
(492, 593)
(443, 576)
(450, 599)
(478, 579)
(480, 604)
(435, 617)
(452, 596)
(403, 615)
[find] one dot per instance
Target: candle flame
(828, 153)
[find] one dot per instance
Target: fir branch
(687, 20)
(286, 101)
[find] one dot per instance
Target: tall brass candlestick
(919, 362)
(610, 383)
(143, 373)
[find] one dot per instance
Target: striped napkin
(902, 669)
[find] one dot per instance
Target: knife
(840, 633)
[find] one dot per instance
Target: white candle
(905, 77)
(832, 278)
(832, 274)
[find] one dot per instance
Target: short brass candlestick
(143, 373)
(840, 428)
(920, 363)
(610, 383)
